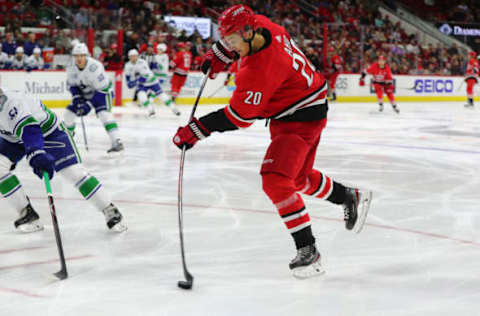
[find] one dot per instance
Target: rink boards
(51, 87)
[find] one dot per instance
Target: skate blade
(365, 200)
(310, 271)
(31, 227)
(119, 228)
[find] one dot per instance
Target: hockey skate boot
(380, 107)
(395, 108)
(355, 208)
(28, 221)
(307, 263)
(117, 147)
(469, 105)
(151, 110)
(334, 96)
(114, 219)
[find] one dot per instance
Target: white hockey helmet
(133, 52)
(74, 42)
(37, 50)
(161, 48)
(19, 50)
(80, 49)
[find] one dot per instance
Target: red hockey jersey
(181, 63)
(380, 75)
(276, 81)
(334, 65)
(472, 69)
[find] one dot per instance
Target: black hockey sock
(470, 101)
(303, 237)
(174, 98)
(338, 193)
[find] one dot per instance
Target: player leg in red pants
(470, 84)
(286, 169)
(389, 92)
(332, 81)
(379, 91)
(177, 83)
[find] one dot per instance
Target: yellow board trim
(225, 100)
(405, 98)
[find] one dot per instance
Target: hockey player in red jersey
(382, 82)
(471, 77)
(180, 64)
(333, 69)
(277, 82)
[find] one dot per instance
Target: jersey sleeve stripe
(27, 120)
(237, 119)
(315, 98)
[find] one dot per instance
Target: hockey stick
(84, 133)
(62, 274)
(186, 285)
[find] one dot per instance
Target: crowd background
(357, 31)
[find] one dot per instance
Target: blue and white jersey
(139, 72)
(18, 63)
(160, 66)
(5, 61)
(18, 110)
(89, 80)
(34, 63)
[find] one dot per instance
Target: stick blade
(62, 274)
(186, 285)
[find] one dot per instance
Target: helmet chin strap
(249, 41)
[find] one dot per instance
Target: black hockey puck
(186, 285)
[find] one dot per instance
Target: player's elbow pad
(32, 138)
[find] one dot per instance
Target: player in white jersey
(18, 61)
(139, 76)
(29, 129)
(5, 61)
(35, 62)
(91, 88)
(160, 63)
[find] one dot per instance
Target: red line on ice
(32, 263)
(22, 292)
(406, 230)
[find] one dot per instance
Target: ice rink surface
(419, 253)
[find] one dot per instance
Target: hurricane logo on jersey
(13, 113)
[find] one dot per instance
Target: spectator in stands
(30, 44)
(61, 42)
(112, 61)
(9, 44)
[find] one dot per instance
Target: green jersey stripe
(29, 120)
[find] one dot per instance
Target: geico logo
(433, 85)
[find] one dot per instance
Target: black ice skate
(114, 219)
(355, 208)
(395, 108)
(117, 147)
(307, 263)
(28, 221)
(469, 105)
(334, 96)
(380, 107)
